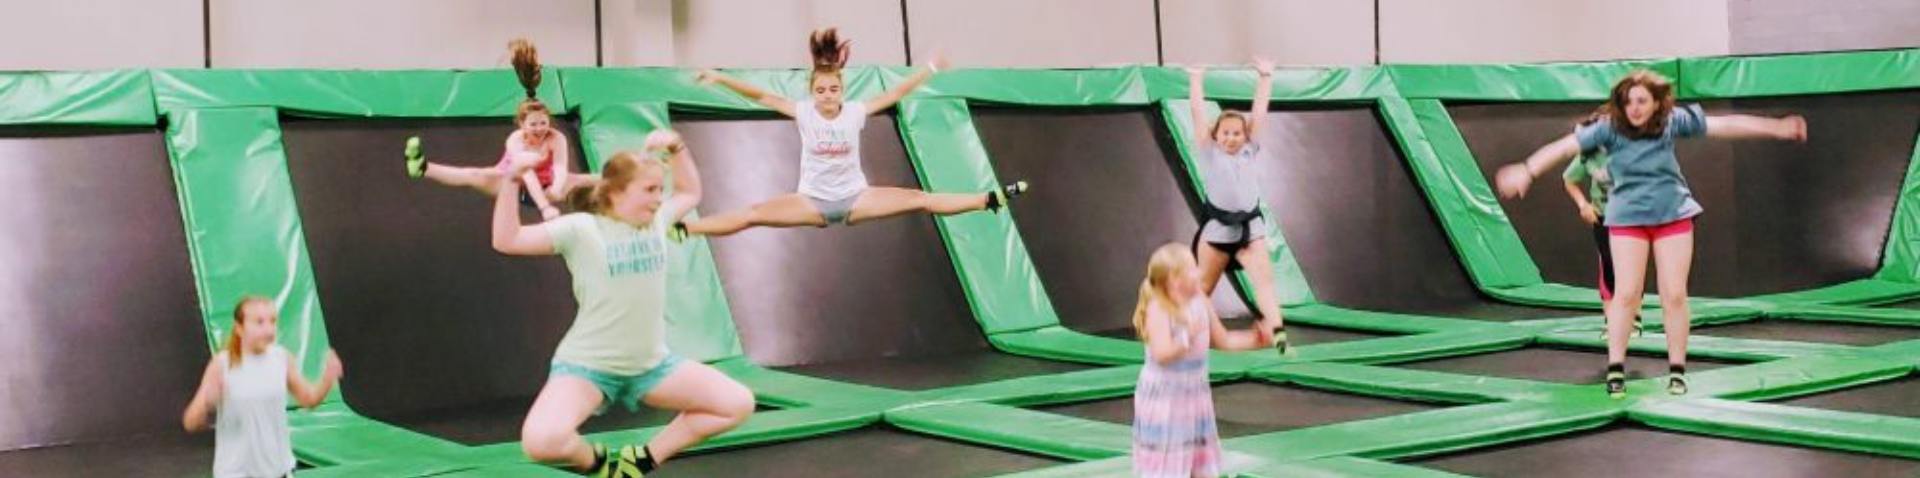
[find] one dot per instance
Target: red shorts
(1654, 232)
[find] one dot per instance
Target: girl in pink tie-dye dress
(1173, 422)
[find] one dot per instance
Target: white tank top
(830, 151)
(250, 434)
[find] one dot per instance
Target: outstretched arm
(1788, 128)
(748, 91)
(1262, 94)
(1514, 179)
(1225, 339)
(893, 96)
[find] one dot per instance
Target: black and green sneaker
(1676, 379)
(1617, 384)
(416, 158)
(1004, 195)
(622, 463)
(1280, 343)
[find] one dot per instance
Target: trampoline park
(1440, 330)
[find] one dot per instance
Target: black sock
(646, 462)
(1617, 368)
(1676, 369)
(993, 202)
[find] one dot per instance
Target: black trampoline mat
(1251, 408)
(1557, 365)
(867, 452)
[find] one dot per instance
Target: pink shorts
(1654, 232)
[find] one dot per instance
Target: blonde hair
(1166, 263)
(232, 344)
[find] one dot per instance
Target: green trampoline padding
(97, 98)
(244, 236)
(1880, 434)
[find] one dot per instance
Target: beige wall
(1034, 33)
(396, 34)
(1291, 32)
(100, 34)
(1477, 31)
(440, 34)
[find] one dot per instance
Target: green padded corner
(1901, 262)
(98, 98)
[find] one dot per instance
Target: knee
(735, 405)
(1673, 299)
(544, 442)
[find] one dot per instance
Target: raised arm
(309, 395)
(509, 237)
(919, 77)
(1514, 179)
(200, 411)
(686, 175)
(1262, 94)
(1197, 105)
(1787, 128)
(748, 91)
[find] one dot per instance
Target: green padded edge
(1468, 210)
(1408, 384)
(1091, 87)
(1881, 434)
(1324, 84)
(328, 93)
(1042, 433)
(1095, 384)
(105, 98)
(1536, 82)
(678, 87)
(1371, 321)
(1703, 344)
(1814, 73)
(243, 229)
(1901, 262)
(333, 434)
(791, 390)
(699, 322)
(988, 254)
(1338, 467)
(1287, 275)
(1793, 377)
(761, 428)
(1872, 290)
(1852, 315)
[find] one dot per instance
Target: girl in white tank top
(243, 396)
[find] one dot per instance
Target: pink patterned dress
(1173, 423)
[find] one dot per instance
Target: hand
(1513, 180)
(332, 370)
(706, 77)
(1262, 334)
(1794, 128)
(663, 140)
(1263, 66)
(939, 62)
(1588, 214)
